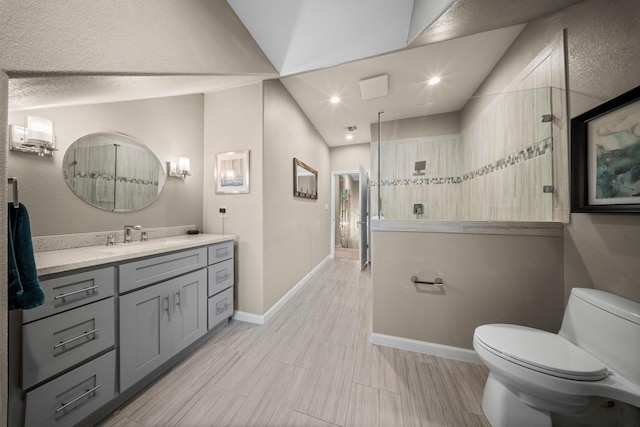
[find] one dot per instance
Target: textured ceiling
(52, 91)
(467, 17)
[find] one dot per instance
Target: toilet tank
(608, 327)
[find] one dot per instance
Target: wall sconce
(36, 138)
(181, 169)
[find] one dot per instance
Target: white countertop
(70, 259)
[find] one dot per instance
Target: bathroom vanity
(114, 319)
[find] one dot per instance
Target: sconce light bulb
(184, 164)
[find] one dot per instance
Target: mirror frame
(297, 164)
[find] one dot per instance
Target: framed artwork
(605, 157)
(232, 172)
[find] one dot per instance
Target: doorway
(349, 215)
(346, 213)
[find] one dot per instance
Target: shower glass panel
(494, 169)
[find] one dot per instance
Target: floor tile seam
(316, 418)
(378, 388)
(352, 399)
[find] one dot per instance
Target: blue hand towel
(24, 287)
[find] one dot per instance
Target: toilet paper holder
(436, 282)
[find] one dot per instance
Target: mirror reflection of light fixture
(182, 169)
(36, 137)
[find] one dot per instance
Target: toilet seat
(540, 351)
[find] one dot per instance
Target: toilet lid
(541, 351)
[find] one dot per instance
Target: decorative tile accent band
(538, 149)
(124, 179)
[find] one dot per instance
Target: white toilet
(593, 359)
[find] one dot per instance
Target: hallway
(311, 365)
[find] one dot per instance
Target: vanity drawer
(220, 252)
(56, 343)
(74, 290)
(73, 396)
(148, 271)
(220, 307)
(220, 277)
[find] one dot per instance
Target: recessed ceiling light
(335, 99)
(434, 81)
(349, 136)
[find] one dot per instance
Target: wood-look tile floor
(311, 365)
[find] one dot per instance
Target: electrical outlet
(223, 211)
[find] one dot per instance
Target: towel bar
(436, 282)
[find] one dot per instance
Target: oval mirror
(114, 172)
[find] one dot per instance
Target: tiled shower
(495, 169)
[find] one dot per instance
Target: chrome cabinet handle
(63, 343)
(222, 277)
(178, 298)
(220, 254)
(221, 307)
(68, 294)
(65, 405)
(166, 298)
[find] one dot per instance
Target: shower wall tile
(494, 170)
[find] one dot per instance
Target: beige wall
(349, 157)
(120, 36)
(296, 231)
(170, 127)
(434, 125)
(487, 279)
(233, 121)
(602, 39)
(602, 251)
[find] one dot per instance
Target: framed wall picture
(232, 172)
(605, 157)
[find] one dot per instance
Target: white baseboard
(248, 317)
(261, 320)
(426, 348)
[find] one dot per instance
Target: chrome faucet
(128, 232)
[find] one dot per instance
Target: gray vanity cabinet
(158, 321)
(220, 283)
(67, 355)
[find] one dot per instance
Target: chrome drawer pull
(220, 254)
(68, 294)
(63, 343)
(64, 405)
(220, 277)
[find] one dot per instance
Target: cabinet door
(145, 341)
(189, 315)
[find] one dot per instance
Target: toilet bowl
(533, 374)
